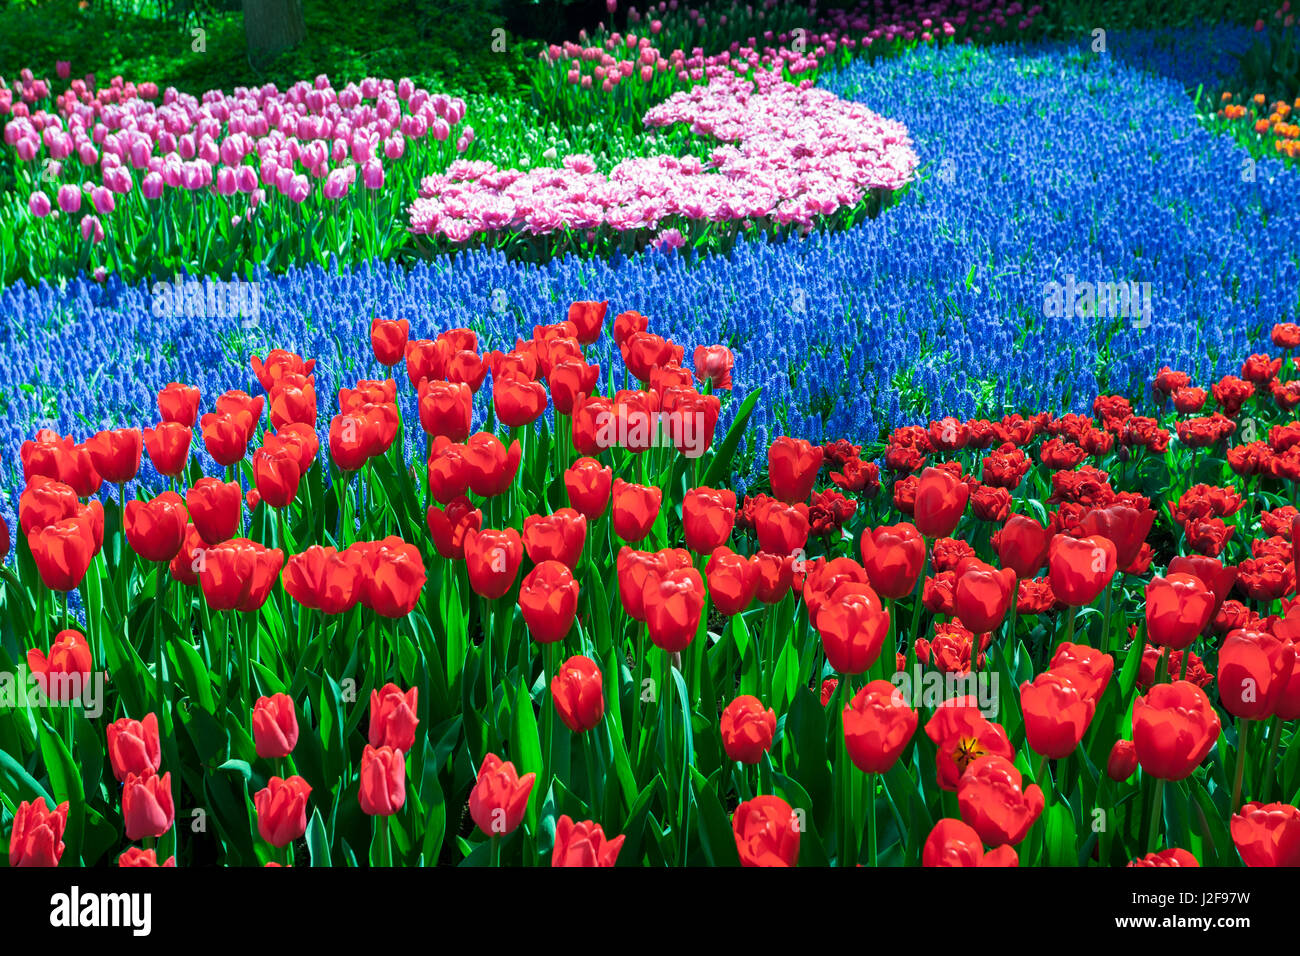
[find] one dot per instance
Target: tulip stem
(1242, 730)
(1156, 813)
(920, 595)
(844, 692)
(871, 818)
(1274, 737)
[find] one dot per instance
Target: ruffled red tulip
(383, 781)
(1267, 834)
(238, 574)
(1254, 671)
(492, 559)
(548, 600)
(133, 746)
(983, 595)
(1057, 714)
(147, 807)
(733, 581)
(674, 603)
(893, 556)
(635, 509)
(579, 694)
(393, 719)
(767, 832)
(588, 484)
(1178, 608)
(555, 537)
(282, 810)
(792, 466)
(169, 447)
(853, 628)
(995, 803)
(1079, 569)
(1174, 728)
(500, 796)
(64, 674)
(37, 835)
(179, 403)
(878, 725)
(155, 529)
(388, 340)
(940, 500)
(747, 729)
(116, 454)
(583, 844)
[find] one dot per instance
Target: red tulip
(781, 528)
(747, 729)
(591, 424)
(707, 518)
(588, 485)
(878, 725)
(448, 471)
(1174, 728)
(492, 559)
(280, 364)
(448, 526)
(133, 746)
(893, 556)
(116, 454)
(226, 436)
(1022, 545)
(392, 576)
(64, 674)
(636, 567)
(1079, 569)
(1086, 667)
(792, 466)
(393, 719)
(293, 401)
(635, 509)
(588, 319)
(517, 401)
(446, 409)
(189, 559)
(733, 580)
(853, 628)
(674, 603)
(954, 843)
(388, 339)
(1057, 714)
(275, 726)
(713, 363)
(767, 832)
(134, 857)
(282, 810)
(500, 796)
(1254, 671)
(1122, 762)
(276, 474)
(169, 447)
(578, 693)
(555, 537)
(775, 576)
(961, 735)
(238, 574)
(1267, 834)
(1178, 608)
(155, 529)
(1123, 525)
(583, 844)
(44, 501)
(940, 500)
(147, 807)
(569, 381)
(37, 835)
(214, 507)
(63, 551)
(490, 467)
(1217, 578)
(383, 781)
(179, 403)
(993, 802)
(358, 435)
(983, 595)
(323, 579)
(548, 600)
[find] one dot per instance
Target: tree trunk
(271, 26)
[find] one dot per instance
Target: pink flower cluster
(621, 57)
(791, 154)
(247, 142)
